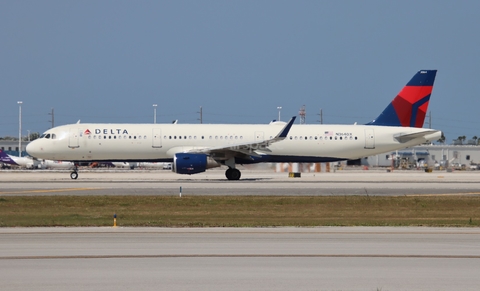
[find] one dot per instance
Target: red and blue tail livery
(410, 106)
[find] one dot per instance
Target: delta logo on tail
(410, 106)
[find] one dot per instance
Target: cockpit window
(48, 135)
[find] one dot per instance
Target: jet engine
(185, 163)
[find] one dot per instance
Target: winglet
(283, 134)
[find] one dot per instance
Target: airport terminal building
(11, 147)
(433, 156)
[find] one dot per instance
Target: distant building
(427, 155)
(11, 147)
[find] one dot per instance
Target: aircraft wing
(247, 149)
(409, 136)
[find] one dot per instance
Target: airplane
(50, 164)
(31, 163)
(24, 162)
(194, 148)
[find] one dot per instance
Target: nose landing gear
(74, 173)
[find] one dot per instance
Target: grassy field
(249, 211)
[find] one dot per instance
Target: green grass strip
(239, 211)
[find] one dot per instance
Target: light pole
(279, 109)
(28, 134)
(154, 113)
(19, 128)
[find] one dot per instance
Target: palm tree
(461, 139)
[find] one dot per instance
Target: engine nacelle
(185, 163)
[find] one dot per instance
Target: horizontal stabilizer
(410, 136)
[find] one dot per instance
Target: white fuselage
(160, 142)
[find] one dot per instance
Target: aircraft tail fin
(4, 158)
(409, 107)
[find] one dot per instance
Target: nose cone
(33, 149)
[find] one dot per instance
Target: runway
(325, 258)
(254, 182)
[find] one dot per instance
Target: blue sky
(109, 61)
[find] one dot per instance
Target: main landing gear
(74, 173)
(233, 174)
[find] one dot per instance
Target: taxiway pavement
(253, 182)
(324, 258)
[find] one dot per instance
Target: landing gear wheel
(74, 175)
(233, 174)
